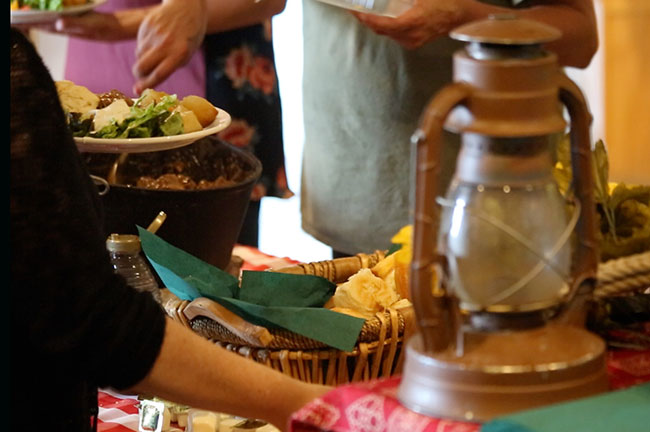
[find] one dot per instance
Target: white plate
(34, 16)
(143, 145)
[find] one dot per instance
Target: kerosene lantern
(502, 262)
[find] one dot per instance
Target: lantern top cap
(506, 29)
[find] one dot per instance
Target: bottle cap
(125, 243)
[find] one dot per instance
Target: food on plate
(75, 98)
(150, 96)
(53, 5)
(190, 122)
(115, 115)
(204, 110)
(107, 98)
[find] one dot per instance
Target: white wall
(280, 232)
(53, 50)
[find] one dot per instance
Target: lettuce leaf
(153, 120)
(53, 5)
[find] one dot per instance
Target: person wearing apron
(363, 97)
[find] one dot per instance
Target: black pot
(203, 222)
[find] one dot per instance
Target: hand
(167, 38)
(424, 22)
(95, 26)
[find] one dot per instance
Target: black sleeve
(69, 310)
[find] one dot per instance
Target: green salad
(53, 5)
(153, 120)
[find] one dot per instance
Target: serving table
(370, 406)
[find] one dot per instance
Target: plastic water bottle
(126, 256)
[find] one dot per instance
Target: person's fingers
(155, 70)
(46, 26)
(91, 25)
(25, 28)
(146, 61)
(71, 26)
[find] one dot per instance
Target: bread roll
(364, 293)
(394, 271)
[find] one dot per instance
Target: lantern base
(503, 372)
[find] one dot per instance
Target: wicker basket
(377, 352)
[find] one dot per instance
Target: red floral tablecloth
(369, 407)
(373, 406)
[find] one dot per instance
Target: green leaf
(562, 169)
(173, 125)
(601, 184)
(109, 131)
(54, 5)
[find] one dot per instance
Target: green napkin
(273, 300)
(617, 411)
(294, 290)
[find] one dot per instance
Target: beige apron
(363, 96)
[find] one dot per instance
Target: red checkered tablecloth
(117, 413)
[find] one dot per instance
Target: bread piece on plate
(75, 98)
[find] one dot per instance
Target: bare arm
(115, 26)
(429, 19)
(192, 370)
(576, 20)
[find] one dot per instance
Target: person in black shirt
(77, 326)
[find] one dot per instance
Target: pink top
(103, 66)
